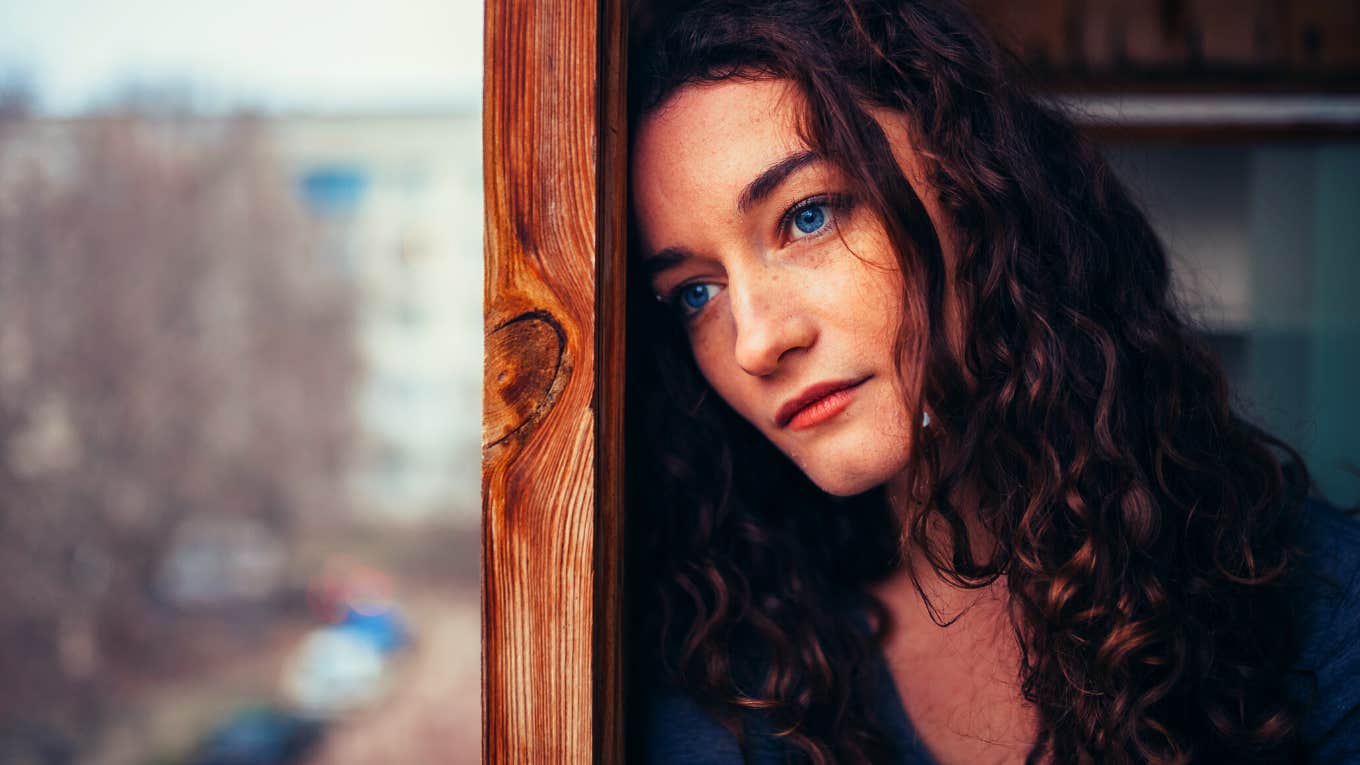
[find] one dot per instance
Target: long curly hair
(1139, 524)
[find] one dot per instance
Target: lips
(811, 396)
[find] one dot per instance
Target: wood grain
(551, 436)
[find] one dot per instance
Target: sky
(318, 56)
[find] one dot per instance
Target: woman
(937, 470)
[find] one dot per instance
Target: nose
(771, 323)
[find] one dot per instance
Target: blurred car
(260, 736)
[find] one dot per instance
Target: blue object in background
(333, 190)
(383, 629)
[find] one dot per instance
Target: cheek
(890, 312)
(872, 291)
(711, 343)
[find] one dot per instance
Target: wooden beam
(553, 141)
(609, 386)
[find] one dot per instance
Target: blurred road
(430, 716)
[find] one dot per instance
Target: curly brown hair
(1140, 525)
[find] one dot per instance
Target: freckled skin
(787, 313)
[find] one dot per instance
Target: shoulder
(1326, 584)
(680, 731)
(1330, 538)
(1326, 597)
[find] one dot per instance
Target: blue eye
(812, 218)
(809, 219)
(693, 297)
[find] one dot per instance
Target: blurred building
(397, 205)
(400, 203)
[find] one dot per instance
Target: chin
(844, 488)
(852, 461)
(847, 480)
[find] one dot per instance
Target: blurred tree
(170, 351)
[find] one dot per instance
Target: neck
(947, 597)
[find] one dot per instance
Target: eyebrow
(664, 260)
(757, 190)
(769, 180)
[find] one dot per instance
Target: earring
(925, 419)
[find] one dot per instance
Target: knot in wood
(524, 361)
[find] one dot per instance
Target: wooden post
(554, 163)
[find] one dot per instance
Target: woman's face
(789, 288)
